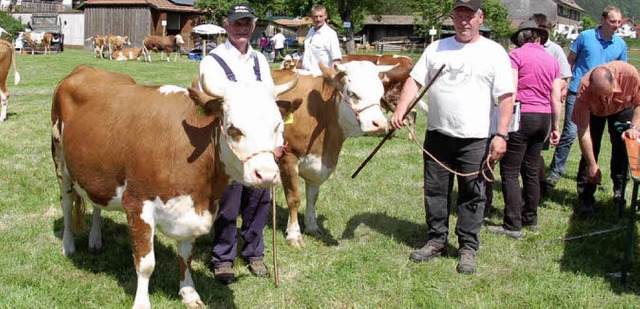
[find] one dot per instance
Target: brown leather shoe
(258, 268)
(224, 274)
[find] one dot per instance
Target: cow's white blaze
(360, 110)
(253, 129)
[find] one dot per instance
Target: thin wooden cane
(388, 136)
(275, 247)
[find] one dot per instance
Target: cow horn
(386, 68)
(282, 88)
(217, 92)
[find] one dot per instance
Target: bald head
(601, 81)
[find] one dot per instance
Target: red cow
(7, 58)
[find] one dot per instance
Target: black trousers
(619, 162)
(522, 159)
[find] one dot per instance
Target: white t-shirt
(241, 65)
(321, 45)
(278, 41)
(474, 75)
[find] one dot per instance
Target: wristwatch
(503, 136)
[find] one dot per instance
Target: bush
(10, 24)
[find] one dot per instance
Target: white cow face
(362, 89)
(251, 130)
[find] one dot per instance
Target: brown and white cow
(99, 42)
(330, 108)
(116, 42)
(393, 80)
(127, 54)
(38, 40)
(7, 59)
(162, 154)
(162, 44)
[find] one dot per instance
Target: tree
(10, 24)
(588, 22)
(354, 13)
(495, 18)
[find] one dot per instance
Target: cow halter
(356, 110)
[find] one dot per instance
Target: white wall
(73, 30)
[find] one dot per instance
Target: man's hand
(631, 133)
(396, 119)
(554, 138)
(498, 148)
(594, 174)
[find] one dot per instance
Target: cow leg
(68, 198)
(310, 217)
(141, 229)
(5, 103)
(187, 289)
(95, 236)
(289, 176)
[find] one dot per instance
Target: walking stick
(275, 247)
(388, 136)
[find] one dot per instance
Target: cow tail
(79, 208)
(16, 74)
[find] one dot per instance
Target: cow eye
(351, 94)
(234, 133)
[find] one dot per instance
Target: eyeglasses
(460, 16)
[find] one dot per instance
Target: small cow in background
(127, 54)
(37, 40)
(7, 59)
(162, 44)
(116, 42)
(99, 43)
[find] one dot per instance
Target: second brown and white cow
(330, 108)
(116, 43)
(37, 40)
(393, 80)
(163, 155)
(162, 44)
(7, 59)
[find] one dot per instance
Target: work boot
(500, 230)
(224, 274)
(551, 180)
(426, 253)
(467, 262)
(258, 268)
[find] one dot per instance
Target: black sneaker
(224, 274)
(467, 262)
(426, 253)
(587, 210)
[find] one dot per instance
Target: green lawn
(370, 225)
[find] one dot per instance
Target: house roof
(571, 3)
(391, 20)
(165, 5)
(294, 22)
(627, 19)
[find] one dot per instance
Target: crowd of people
(479, 76)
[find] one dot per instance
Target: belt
(573, 92)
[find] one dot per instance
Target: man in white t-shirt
(278, 45)
(477, 71)
(321, 43)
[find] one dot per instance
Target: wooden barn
(138, 18)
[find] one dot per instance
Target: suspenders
(229, 73)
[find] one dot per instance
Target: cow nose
(380, 125)
(266, 177)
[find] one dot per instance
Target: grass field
(370, 225)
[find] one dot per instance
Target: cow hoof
(297, 242)
(314, 233)
(95, 251)
(195, 304)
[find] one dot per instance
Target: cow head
(251, 127)
(360, 87)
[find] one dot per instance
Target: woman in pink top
(538, 83)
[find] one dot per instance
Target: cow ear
(288, 107)
(209, 104)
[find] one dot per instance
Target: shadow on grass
(410, 233)
(116, 260)
(282, 217)
(601, 255)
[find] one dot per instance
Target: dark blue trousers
(253, 204)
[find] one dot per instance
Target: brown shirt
(626, 93)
